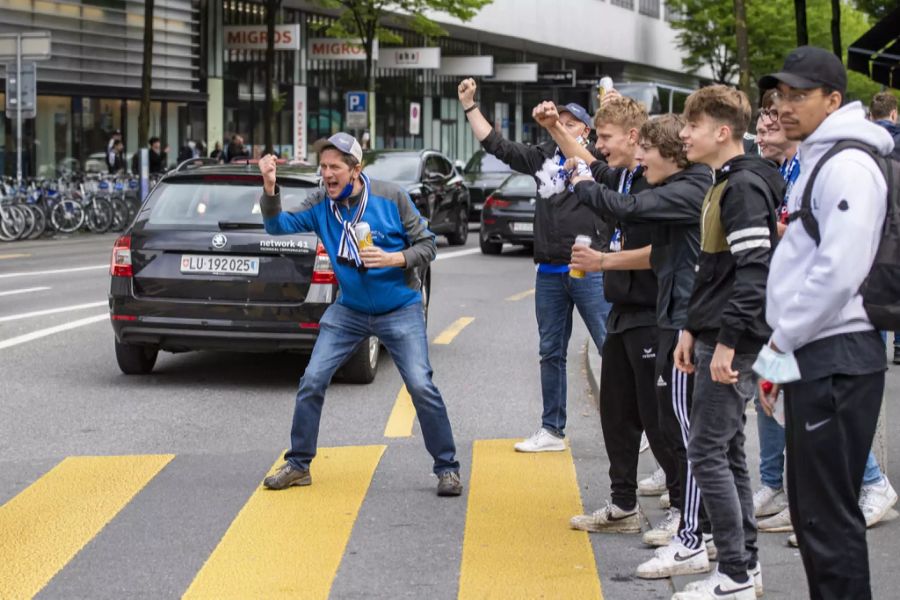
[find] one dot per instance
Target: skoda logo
(219, 240)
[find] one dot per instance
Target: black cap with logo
(808, 68)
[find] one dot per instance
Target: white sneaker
(780, 522)
(653, 485)
(645, 443)
(609, 519)
(542, 441)
(756, 574)
(876, 500)
(664, 501)
(769, 501)
(711, 551)
(792, 541)
(674, 559)
(665, 530)
(717, 586)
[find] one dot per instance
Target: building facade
(209, 73)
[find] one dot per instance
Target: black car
(197, 271)
(508, 214)
(482, 175)
(433, 184)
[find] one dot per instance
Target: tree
(800, 19)
(272, 7)
(877, 9)
(707, 37)
(146, 76)
(362, 19)
(743, 48)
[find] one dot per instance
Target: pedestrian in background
(559, 219)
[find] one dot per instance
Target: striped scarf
(349, 245)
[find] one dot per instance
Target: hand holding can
(363, 235)
(581, 240)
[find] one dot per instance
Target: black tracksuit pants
(628, 406)
(829, 426)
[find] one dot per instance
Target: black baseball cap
(807, 68)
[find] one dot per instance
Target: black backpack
(881, 289)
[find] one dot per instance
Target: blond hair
(625, 112)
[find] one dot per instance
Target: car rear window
(519, 183)
(204, 204)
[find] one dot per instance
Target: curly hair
(625, 112)
(723, 104)
(663, 132)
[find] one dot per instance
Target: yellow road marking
(451, 332)
(518, 543)
(400, 423)
(6, 256)
(43, 527)
(289, 543)
(521, 295)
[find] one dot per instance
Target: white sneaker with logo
(876, 499)
(665, 530)
(778, 523)
(609, 519)
(769, 501)
(541, 441)
(717, 586)
(654, 485)
(674, 559)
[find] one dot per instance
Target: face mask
(777, 367)
(344, 193)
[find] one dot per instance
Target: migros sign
(255, 37)
(338, 49)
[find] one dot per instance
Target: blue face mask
(345, 193)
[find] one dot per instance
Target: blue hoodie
(396, 226)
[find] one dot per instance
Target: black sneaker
(286, 476)
(449, 484)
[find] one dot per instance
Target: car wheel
(362, 365)
(135, 360)
(487, 247)
(461, 235)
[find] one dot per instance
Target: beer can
(581, 240)
(606, 84)
(363, 234)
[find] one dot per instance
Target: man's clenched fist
(267, 168)
(466, 91)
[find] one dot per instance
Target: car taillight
(120, 265)
(492, 202)
(323, 272)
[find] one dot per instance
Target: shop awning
(877, 52)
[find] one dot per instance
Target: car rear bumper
(183, 337)
(502, 230)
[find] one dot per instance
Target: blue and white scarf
(348, 250)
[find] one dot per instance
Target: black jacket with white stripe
(738, 234)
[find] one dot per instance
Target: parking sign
(357, 110)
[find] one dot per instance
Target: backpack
(881, 289)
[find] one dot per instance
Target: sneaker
(769, 501)
(645, 443)
(711, 551)
(286, 476)
(876, 500)
(665, 530)
(449, 484)
(542, 441)
(780, 522)
(654, 485)
(665, 502)
(717, 586)
(674, 559)
(756, 574)
(792, 541)
(609, 519)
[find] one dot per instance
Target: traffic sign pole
(19, 110)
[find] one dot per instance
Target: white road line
(54, 271)
(52, 311)
(24, 291)
(457, 253)
(35, 335)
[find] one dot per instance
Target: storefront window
(99, 119)
(53, 139)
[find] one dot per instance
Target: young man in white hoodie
(823, 348)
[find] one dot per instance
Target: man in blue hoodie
(379, 296)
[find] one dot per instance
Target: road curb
(592, 362)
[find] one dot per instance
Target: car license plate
(219, 265)
(523, 227)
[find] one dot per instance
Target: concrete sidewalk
(783, 573)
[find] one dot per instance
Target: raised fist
(545, 114)
(267, 168)
(466, 91)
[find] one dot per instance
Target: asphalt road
(117, 486)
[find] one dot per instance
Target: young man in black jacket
(559, 219)
(726, 329)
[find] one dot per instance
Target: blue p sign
(356, 102)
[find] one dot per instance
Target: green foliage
(877, 8)
(708, 37)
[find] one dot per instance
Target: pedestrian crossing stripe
(290, 543)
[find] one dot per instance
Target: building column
(213, 24)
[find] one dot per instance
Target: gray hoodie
(813, 291)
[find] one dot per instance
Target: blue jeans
(555, 296)
(403, 334)
(771, 453)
